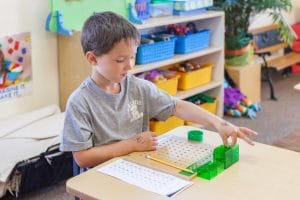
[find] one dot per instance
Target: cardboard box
(248, 79)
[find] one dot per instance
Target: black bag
(47, 169)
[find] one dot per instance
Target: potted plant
(238, 50)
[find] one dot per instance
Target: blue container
(192, 42)
(186, 5)
(147, 53)
(189, 12)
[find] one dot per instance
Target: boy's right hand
(145, 141)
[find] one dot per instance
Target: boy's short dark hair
(103, 30)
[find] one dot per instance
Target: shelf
(213, 20)
(162, 21)
(188, 93)
(176, 59)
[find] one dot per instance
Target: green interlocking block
(226, 155)
(235, 154)
(193, 167)
(220, 166)
(208, 171)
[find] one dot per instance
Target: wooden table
(263, 172)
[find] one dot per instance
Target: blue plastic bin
(192, 42)
(147, 53)
(186, 5)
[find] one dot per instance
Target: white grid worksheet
(146, 178)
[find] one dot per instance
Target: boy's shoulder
(79, 94)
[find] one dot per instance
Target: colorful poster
(15, 66)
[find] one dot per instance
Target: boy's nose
(130, 64)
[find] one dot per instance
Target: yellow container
(188, 123)
(210, 107)
(195, 78)
(170, 85)
(161, 127)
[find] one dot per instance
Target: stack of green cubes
(224, 157)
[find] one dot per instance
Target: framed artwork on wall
(15, 66)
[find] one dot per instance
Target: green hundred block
(208, 171)
(220, 166)
(226, 155)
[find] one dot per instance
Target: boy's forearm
(193, 113)
(96, 155)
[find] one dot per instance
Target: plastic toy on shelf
(54, 23)
(139, 11)
(133, 17)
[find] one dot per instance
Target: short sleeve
(161, 105)
(77, 131)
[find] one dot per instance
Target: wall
(23, 16)
(263, 19)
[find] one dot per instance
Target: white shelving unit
(74, 69)
(214, 54)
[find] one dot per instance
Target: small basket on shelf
(160, 127)
(187, 5)
(195, 78)
(192, 42)
(147, 53)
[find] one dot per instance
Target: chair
(267, 40)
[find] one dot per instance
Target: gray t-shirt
(94, 117)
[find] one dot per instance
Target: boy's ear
(91, 57)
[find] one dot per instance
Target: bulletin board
(75, 12)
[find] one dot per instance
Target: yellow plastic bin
(161, 127)
(195, 78)
(170, 85)
(188, 123)
(211, 107)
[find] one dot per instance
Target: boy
(108, 115)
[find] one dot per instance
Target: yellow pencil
(169, 164)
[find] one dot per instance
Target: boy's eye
(120, 61)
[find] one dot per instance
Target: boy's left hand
(145, 141)
(230, 131)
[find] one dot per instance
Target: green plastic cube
(208, 171)
(226, 155)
